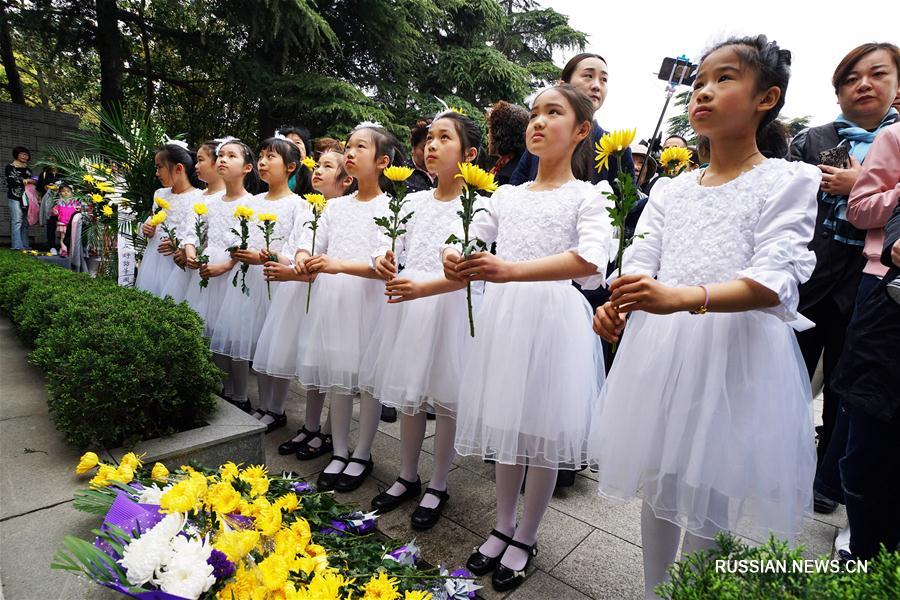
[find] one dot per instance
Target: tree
(795, 125)
(13, 80)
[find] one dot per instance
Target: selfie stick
(681, 61)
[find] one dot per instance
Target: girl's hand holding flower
(484, 266)
(208, 271)
(165, 247)
(248, 256)
(148, 230)
(275, 271)
(642, 292)
(609, 323)
(402, 290)
(323, 264)
(451, 260)
(386, 266)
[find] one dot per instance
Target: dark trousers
(870, 475)
(51, 233)
(829, 335)
(828, 476)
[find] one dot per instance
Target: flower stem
(309, 285)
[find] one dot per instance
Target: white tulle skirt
(708, 418)
(342, 317)
(276, 351)
(241, 316)
(208, 301)
(155, 270)
(531, 376)
(415, 357)
(176, 286)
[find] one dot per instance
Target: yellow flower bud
(88, 461)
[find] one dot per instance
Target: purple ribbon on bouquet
(129, 516)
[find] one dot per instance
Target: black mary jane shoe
(256, 413)
(424, 518)
(504, 578)
(385, 502)
(388, 414)
(481, 564)
(326, 481)
(309, 452)
(290, 446)
(279, 422)
(348, 483)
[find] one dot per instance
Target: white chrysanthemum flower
(187, 573)
(144, 555)
(152, 494)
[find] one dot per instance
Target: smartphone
(677, 70)
(839, 157)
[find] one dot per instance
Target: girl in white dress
(236, 167)
(347, 300)
(415, 358)
(175, 171)
(707, 417)
(242, 315)
(533, 372)
(275, 361)
(178, 285)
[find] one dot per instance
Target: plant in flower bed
(237, 533)
(121, 365)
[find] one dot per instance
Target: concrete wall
(36, 129)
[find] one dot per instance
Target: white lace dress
(241, 315)
(531, 376)
(156, 269)
(708, 417)
(178, 284)
(276, 351)
(344, 308)
(416, 352)
(220, 220)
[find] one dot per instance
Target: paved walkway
(589, 547)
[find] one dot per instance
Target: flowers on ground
(238, 532)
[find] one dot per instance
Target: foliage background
(206, 68)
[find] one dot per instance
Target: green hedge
(697, 577)
(121, 365)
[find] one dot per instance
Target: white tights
(237, 372)
(341, 414)
(660, 539)
(538, 490)
(412, 434)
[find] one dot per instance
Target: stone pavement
(588, 547)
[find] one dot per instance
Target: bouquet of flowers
(317, 203)
(393, 225)
(201, 229)
(100, 194)
(243, 215)
(268, 227)
(475, 179)
(234, 533)
(674, 160)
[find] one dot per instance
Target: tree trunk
(149, 92)
(16, 91)
(111, 52)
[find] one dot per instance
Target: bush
(696, 576)
(121, 365)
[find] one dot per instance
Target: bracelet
(705, 308)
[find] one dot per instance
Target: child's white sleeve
(781, 259)
(306, 236)
(595, 232)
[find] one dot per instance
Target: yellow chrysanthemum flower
(88, 461)
(458, 110)
(273, 572)
(417, 595)
(107, 210)
(268, 520)
(241, 587)
(675, 158)
(309, 162)
(236, 544)
(102, 478)
(476, 177)
(229, 472)
(258, 478)
(289, 502)
(327, 585)
(311, 564)
(612, 142)
(158, 218)
(381, 588)
(184, 496)
(397, 173)
(96, 198)
(317, 202)
(267, 217)
(200, 209)
(123, 474)
(304, 534)
(159, 473)
(162, 203)
(222, 498)
(132, 460)
(95, 166)
(243, 212)
(88, 178)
